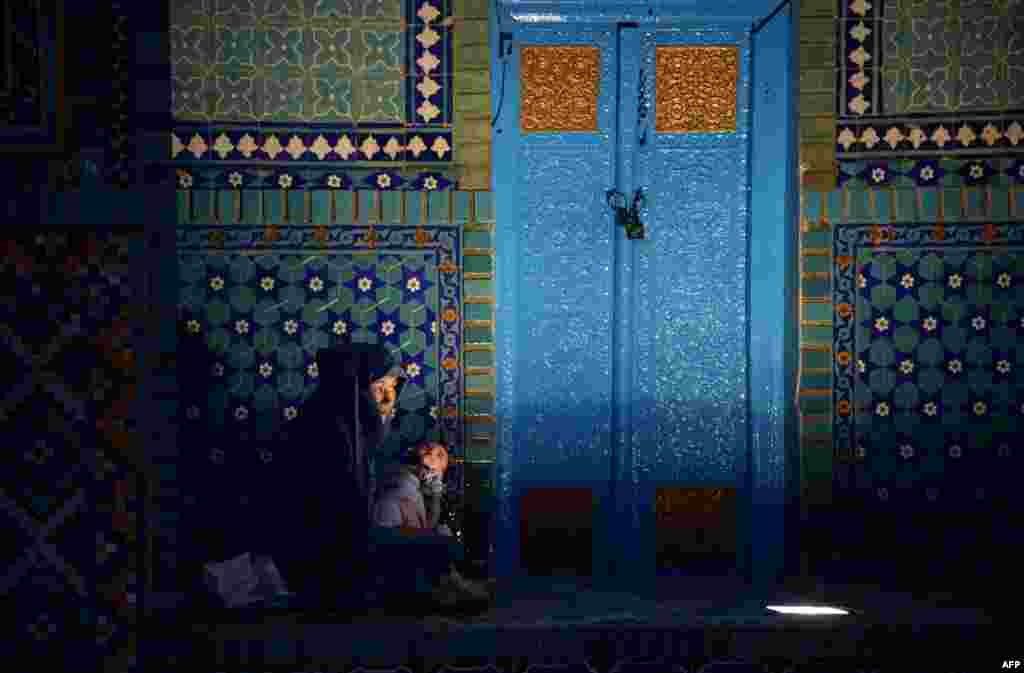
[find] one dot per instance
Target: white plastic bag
(242, 580)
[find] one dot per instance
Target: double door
(625, 367)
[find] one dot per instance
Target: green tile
(440, 212)
(817, 239)
(929, 205)
(477, 311)
(882, 197)
(951, 204)
(343, 204)
(906, 205)
(818, 464)
(834, 206)
(226, 205)
(478, 239)
(478, 287)
(252, 209)
(469, 33)
(816, 102)
(860, 208)
(813, 287)
(1000, 204)
(478, 263)
(321, 206)
(816, 405)
(479, 335)
(816, 380)
(817, 311)
(975, 203)
(822, 427)
(184, 216)
(202, 206)
(479, 405)
(484, 206)
(461, 208)
(817, 359)
(367, 210)
(814, 334)
(414, 208)
(296, 206)
(479, 382)
(817, 263)
(391, 204)
(479, 358)
(477, 80)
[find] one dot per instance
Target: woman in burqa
(322, 553)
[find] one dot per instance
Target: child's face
(434, 460)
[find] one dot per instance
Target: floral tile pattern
(262, 319)
(928, 323)
(929, 78)
(384, 64)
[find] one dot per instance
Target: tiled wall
(911, 253)
(332, 158)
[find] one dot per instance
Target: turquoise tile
(478, 405)
(817, 263)
(834, 205)
(815, 405)
(184, 207)
(882, 199)
(226, 206)
(321, 206)
(414, 213)
(273, 206)
(817, 239)
(252, 209)
(484, 207)
(817, 311)
(1000, 204)
(367, 207)
(860, 209)
(461, 206)
(479, 335)
(202, 206)
(439, 208)
(477, 311)
(479, 359)
(478, 263)
(391, 205)
(296, 206)
(478, 239)
(814, 287)
(930, 205)
(817, 359)
(479, 382)
(906, 205)
(816, 380)
(344, 207)
(951, 204)
(478, 287)
(975, 203)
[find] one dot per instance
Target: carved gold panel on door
(696, 89)
(559, 88)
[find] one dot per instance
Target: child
(410, 504)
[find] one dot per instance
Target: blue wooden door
(626, 369)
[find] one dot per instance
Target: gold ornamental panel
(559, 88)
(696, 89)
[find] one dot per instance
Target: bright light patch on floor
(807, 610)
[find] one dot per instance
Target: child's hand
(433, 483)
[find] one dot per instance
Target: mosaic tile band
(388, 61)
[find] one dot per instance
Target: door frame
(769, 479)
